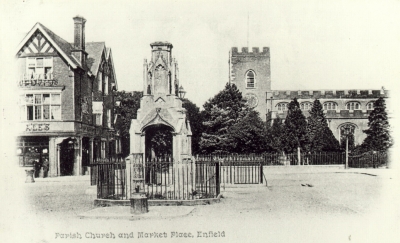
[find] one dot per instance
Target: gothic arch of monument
(160, 104)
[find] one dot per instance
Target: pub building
(66, 102)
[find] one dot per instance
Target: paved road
(330, 207)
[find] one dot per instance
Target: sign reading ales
(37, 127)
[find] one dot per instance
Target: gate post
(261, 174)
(217, 179)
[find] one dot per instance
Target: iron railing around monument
(163, 179)
(102, 161)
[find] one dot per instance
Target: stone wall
(259, 62)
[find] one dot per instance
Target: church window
(353, 106)
(250, 80)
(282, 106)
(330, 106)
(370, 106)
(306, 106)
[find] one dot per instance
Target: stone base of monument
(29, 176)
(139, 203)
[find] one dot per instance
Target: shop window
(40, 107)
(330, 106)
(353, 106)
(250, 79)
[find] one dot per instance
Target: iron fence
(270, 159)
(163, 179)
(101, 161)
(369, 159)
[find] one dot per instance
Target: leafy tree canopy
(230, 125)
(126, 111)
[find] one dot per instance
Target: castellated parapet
(327, 94)
(255, 51)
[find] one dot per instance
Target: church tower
(251, 73)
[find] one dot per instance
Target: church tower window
(250, 79)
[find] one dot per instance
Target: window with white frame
(106, 84)
(103, 149)
(39, 67)
(330, 106)
(370, 106)
(306, 106)
(99, 119)
(100, 81)
(282, 106)
(40, 107)
(109, 118)
(353, 106)
(250, 79)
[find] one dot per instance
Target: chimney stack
(79, 40)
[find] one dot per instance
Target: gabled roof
(62, 46)
(95, 51)
(109, 57)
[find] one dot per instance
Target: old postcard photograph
(199, 121)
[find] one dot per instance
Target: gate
(247, 173)
(236, 169)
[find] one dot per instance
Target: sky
(313, 44)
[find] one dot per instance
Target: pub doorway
(67, 149)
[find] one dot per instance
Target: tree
(294, 135)
(216, 138)
(249, 133)
(319, 136)
(274, 135)
(126, 111)
(378, 134)
(230, 125)
(196, 123)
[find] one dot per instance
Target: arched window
(330, 106)
(353, 106)
(306, 106)
(250, 79)
(282, 106)
(370, 106)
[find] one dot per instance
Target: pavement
(123, 212)
(355, 205)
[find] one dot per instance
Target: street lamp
(181, 92)
(346, 132)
